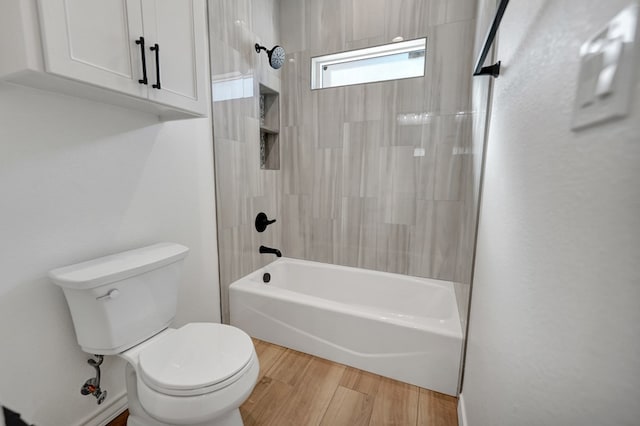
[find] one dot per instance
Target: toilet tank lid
(119, 266)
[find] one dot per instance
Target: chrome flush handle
(111, 294)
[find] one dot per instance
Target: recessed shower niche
(269, 128)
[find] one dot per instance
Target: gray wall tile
(325, 25)
(327, 184)
(450, 66)
(365, 19)
(361, 159)
(406, 18)
(452, 150)
(329, 114)
(350, 190)
(363, 102)
(395, 211)
(393, 251)
(242, 188)
(297, 218)
(292, 18)
(358, 244)
(297, 159)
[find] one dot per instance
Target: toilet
(123, 304)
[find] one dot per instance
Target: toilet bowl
(196, 375)
(122, 304)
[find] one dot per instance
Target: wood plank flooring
(297, 389)
(121, 420)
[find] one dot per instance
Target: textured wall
(554, 336)
(242, 188)
(352, 191)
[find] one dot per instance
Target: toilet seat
(197, 409)
(212, 395)
(196, 359)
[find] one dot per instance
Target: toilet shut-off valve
(92, 385)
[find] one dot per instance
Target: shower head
(276, 55)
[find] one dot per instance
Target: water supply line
(92, 385)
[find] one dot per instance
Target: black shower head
(276, 55)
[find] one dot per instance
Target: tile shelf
(269, 128)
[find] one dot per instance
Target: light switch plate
(607, 71)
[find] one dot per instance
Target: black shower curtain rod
(492, 70)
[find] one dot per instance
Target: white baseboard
(462, 412)
(107, 413)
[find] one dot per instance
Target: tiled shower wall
(353, 191)
(242, 188)
(350, 190)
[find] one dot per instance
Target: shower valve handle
(262, 222)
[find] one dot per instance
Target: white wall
(80, 179)
(554, 334)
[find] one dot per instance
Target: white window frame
(319, 62)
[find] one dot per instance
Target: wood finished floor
(298, 389)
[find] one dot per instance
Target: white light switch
(589, 76)
(605, 82)
(611, 59)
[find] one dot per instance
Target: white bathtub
(401, 327)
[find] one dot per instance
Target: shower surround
(353, 188)
(242, 188)
(376, 175)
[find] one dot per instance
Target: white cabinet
(93, 41)
(177, 28)
(145, 54)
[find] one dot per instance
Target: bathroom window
(405, 59)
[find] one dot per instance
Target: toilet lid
(195, 356)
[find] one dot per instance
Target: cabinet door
(94, 41)
(179, 30)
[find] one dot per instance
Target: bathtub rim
(450, 327)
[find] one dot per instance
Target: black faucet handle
(262, 222)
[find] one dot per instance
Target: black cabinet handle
(143, 55)
(156, 48)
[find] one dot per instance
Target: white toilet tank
(121, 300)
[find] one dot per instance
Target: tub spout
(269, 250)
